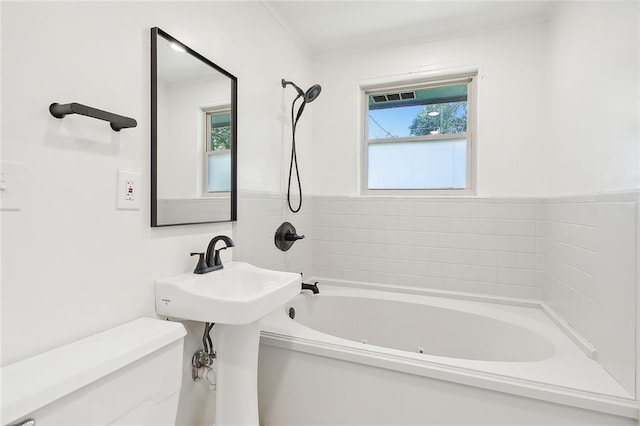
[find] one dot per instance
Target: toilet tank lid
(32, 383)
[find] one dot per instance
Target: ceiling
(329, 26)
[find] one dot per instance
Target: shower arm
(298, 89)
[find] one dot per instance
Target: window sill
(419, 193)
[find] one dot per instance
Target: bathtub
(372, 354)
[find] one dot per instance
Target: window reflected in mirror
(218, 151)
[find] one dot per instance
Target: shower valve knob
(285, 236)
(292, 237)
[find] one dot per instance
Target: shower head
(312, 93)
(309, 96)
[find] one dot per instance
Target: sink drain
(292, 313)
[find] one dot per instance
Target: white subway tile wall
(479, 246)
(590, 274)
(259, 215)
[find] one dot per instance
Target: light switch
(10, 185)
(128, 196)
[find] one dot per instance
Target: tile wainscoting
(259, 215)
(488, 246)
(590, 256)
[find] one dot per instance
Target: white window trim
(205, 151)
(427, 80)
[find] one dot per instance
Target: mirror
(193, 136)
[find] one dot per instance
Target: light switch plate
(10, 185)
(128, 192)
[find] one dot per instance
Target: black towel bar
(118, 122)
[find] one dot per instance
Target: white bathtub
(361, 354)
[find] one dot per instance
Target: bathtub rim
(624, 406)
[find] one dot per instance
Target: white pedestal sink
(235, 298)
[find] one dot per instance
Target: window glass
(418, 165)
(218, 151)
(219, 171)
(220, 126)
(418, 137)
(439, 110)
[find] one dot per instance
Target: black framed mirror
(193, 136)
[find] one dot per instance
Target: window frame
(427, 82)
(206, 143)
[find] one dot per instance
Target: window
(218, 151)
(419, 137)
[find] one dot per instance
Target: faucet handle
(216, 255)
(202, 264)
(285, 236)
(292, 236)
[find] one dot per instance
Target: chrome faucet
(210, 261)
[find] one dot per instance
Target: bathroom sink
(240, 293)
(235, 298)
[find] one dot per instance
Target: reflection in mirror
(193, 136)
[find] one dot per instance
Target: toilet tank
(128, 375)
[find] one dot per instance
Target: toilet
(130, 374)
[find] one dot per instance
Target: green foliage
(220, 138)
(452, 119)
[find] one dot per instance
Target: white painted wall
(510, 100)
(72, 264)
(558, 102)
(593, 136)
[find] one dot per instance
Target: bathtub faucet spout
(313, 287)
